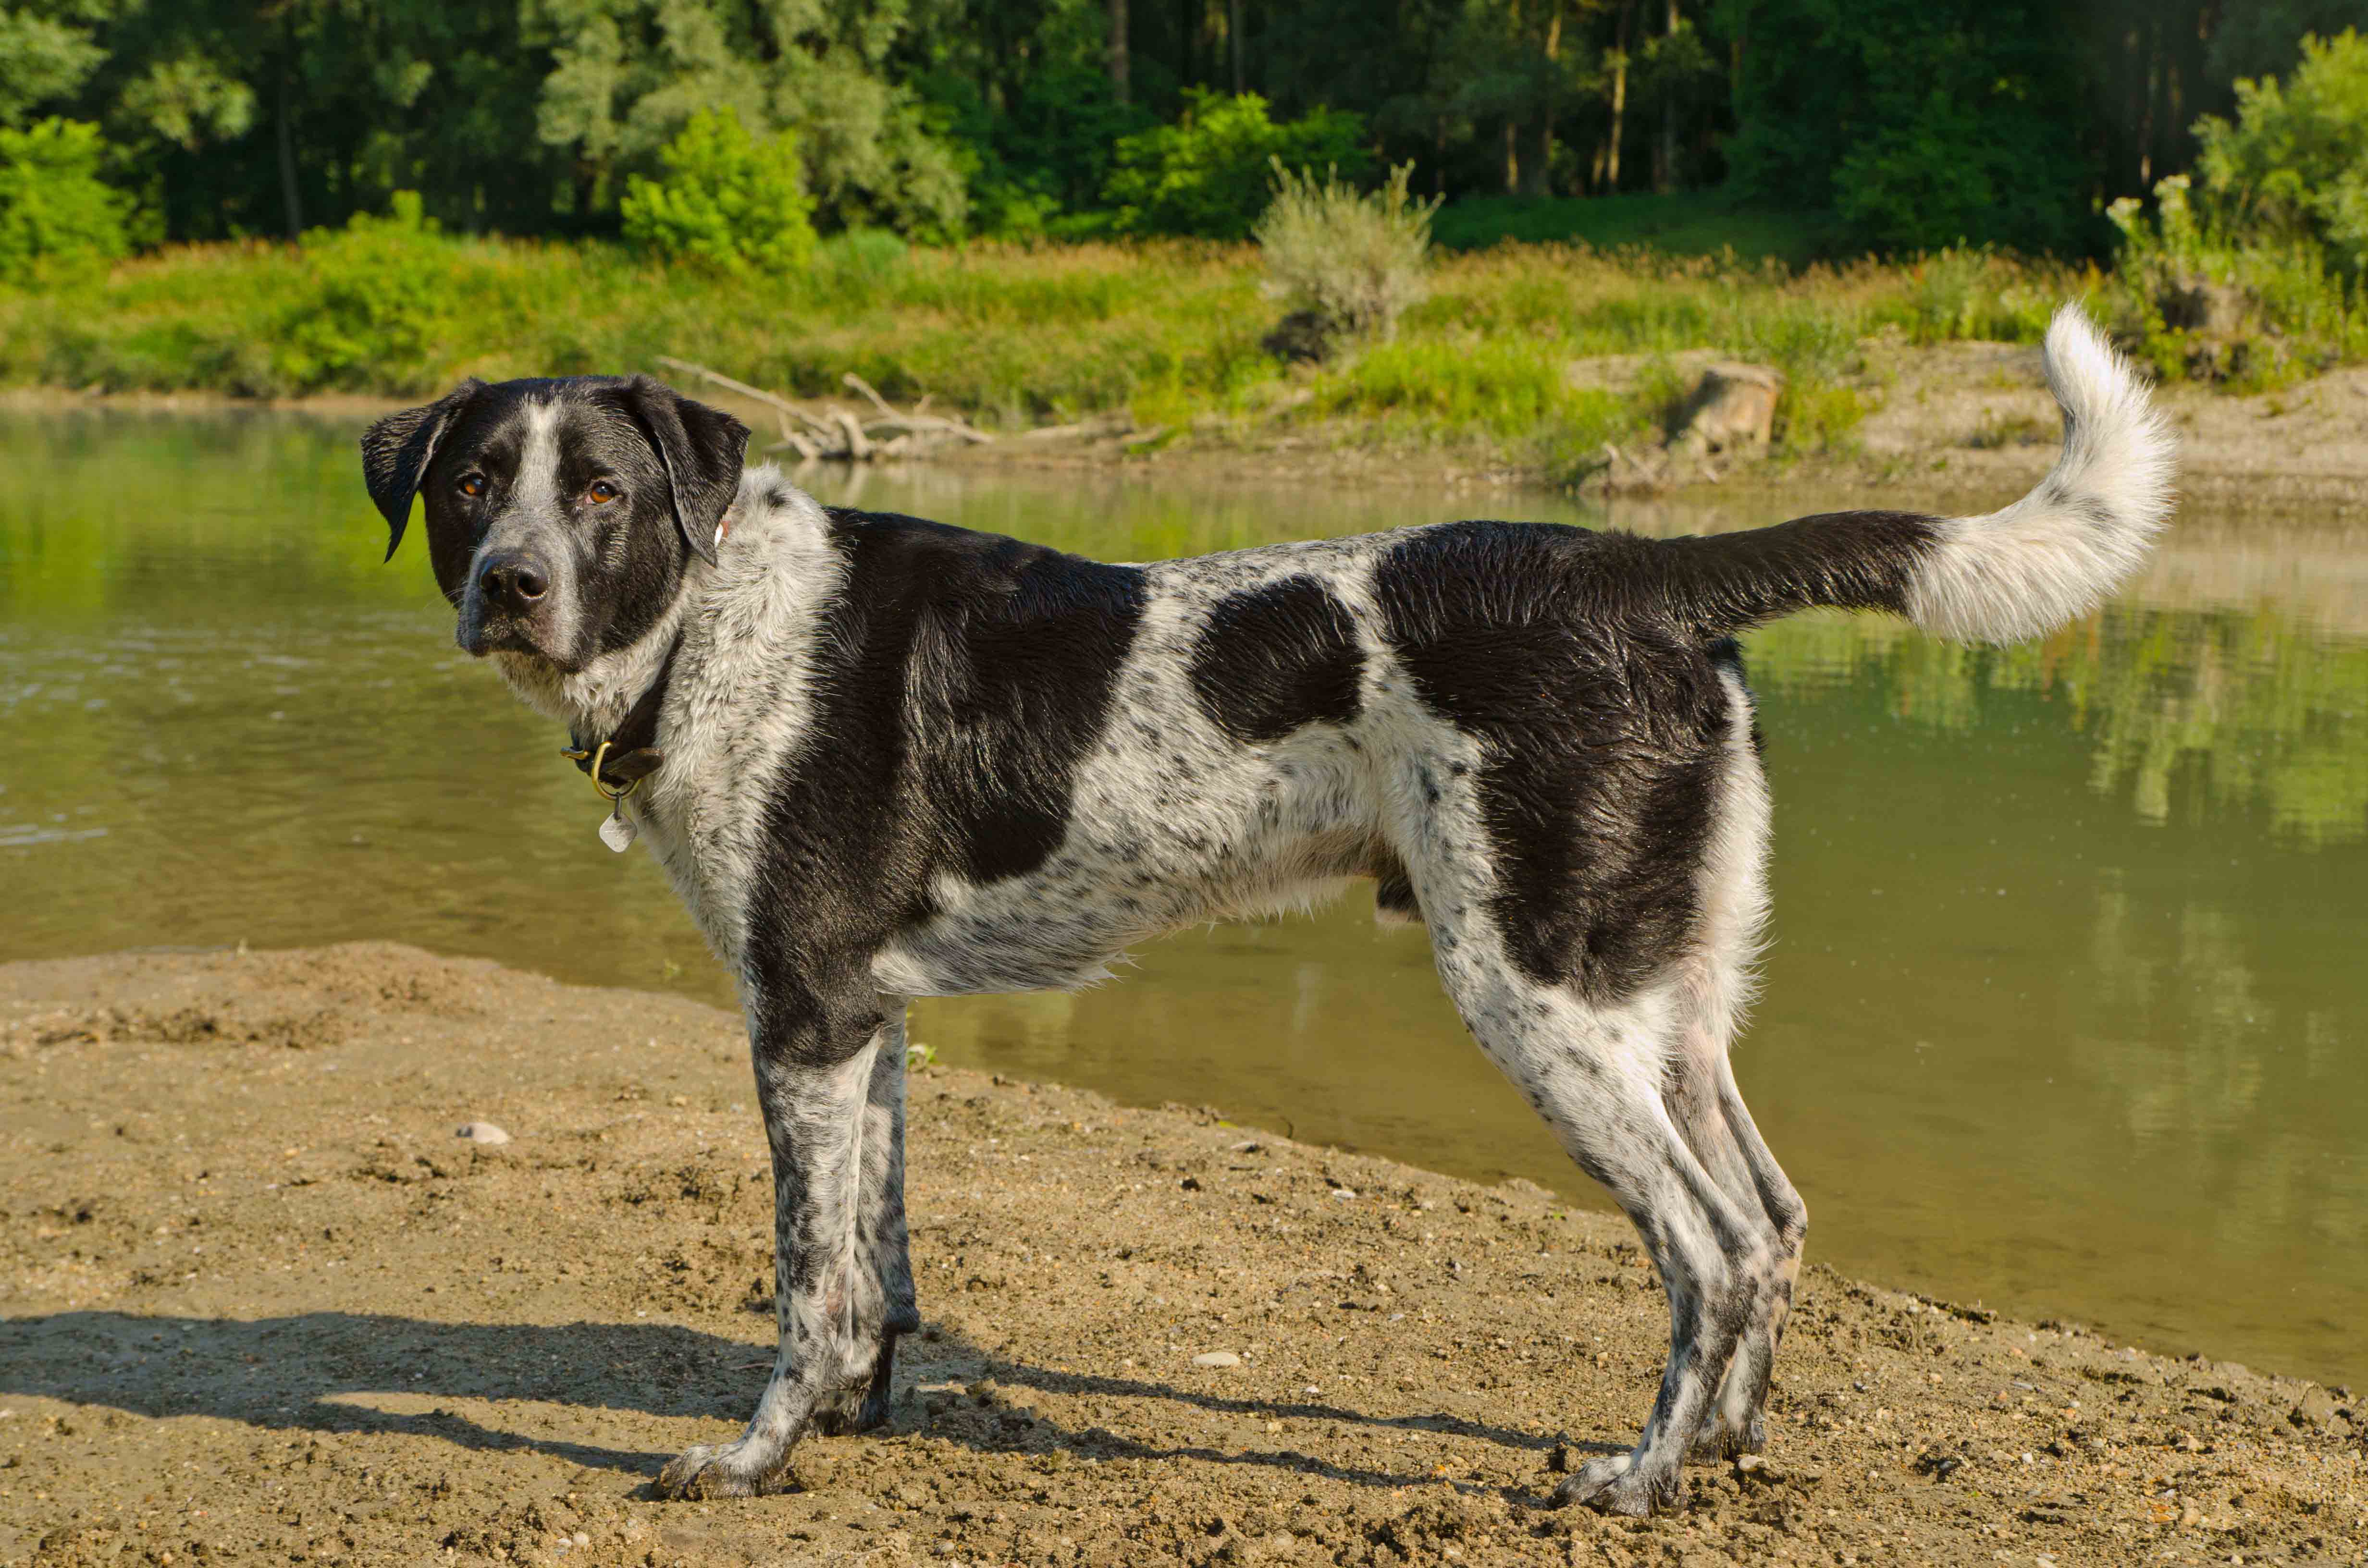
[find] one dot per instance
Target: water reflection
(2063, 1007)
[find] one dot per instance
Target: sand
(258, 1304)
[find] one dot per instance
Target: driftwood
(838, 434)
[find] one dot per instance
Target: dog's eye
(601, 493)
(473, 485)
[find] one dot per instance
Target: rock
(1216, 1358)
(1732, 407)
(485, 1135)
(2198, 304)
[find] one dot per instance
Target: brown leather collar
(631, 753)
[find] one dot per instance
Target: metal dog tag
(617, 829)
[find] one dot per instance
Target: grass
(1017, 336)
(1685, 223)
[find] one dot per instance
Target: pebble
(483, 1133)
(1216, 1358)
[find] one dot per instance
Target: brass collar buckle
(607, 791)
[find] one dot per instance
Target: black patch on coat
(1725, 582)
(1394, 895)
(960, 679)
(1276, 657)
(1599, 717)
(1586, 666)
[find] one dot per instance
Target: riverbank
(1964, 425)
(260, 1304)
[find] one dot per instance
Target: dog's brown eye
(473, 485)
(601, 493)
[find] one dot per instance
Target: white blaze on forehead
(538, 475)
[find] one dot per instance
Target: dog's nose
(512, 580)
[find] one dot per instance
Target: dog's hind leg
(882, 1244)
(1597, 1071)
(816, 1057)
(1699, 1088)
(1736, 1424)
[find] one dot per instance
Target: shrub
(2200, 300)
(2294, 165)
(1353, 259)
(376, 307)
(58, 219)
(730, 200)
(1208, 174)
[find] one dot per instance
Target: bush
(57, 219)
(1208, 174)
(1352, 259)
(2199, 301)
(2294, 165)
(731, 201)
(376, 308)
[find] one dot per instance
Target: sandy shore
(258, 1304)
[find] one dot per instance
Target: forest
(1870, 125)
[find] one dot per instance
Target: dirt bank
(1958, 424)
(258, 1304)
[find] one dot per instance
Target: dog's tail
(2012, 575)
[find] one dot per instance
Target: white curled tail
(2060, 551)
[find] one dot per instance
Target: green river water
(2065, 1006)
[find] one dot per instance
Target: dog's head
(560, 514)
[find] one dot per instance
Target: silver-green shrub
(1354, 260)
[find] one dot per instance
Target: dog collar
(617, 765)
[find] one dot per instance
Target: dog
(881, 758)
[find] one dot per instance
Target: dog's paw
(1716, 1442)
(1613, 1485)
(737, 1469)
(851, 1411)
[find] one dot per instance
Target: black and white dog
(883, 758)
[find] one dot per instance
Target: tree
(2294, 164)
(1211, 175)
(628, 74)
(1922, 122)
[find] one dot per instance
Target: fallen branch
(838, 434)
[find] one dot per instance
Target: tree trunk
(1234, 45)
(1543, 179)
(1512, 158)
(289, 196)
(1619, 97)
(1118, 72)
(1665, 151)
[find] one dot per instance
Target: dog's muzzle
(512, 604)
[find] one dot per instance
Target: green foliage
(42, 59)
(2295, 164)
(730, 200)
(2263, 38)
(2205, 300)
(1922, 123)
(1209, 174)
(375, 306)
(57, 219)
(1352, 258)
(1699, 222)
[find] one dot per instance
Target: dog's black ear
(397, 450)
(701, 448)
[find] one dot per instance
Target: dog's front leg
(815, 1070)
(880, 1242)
